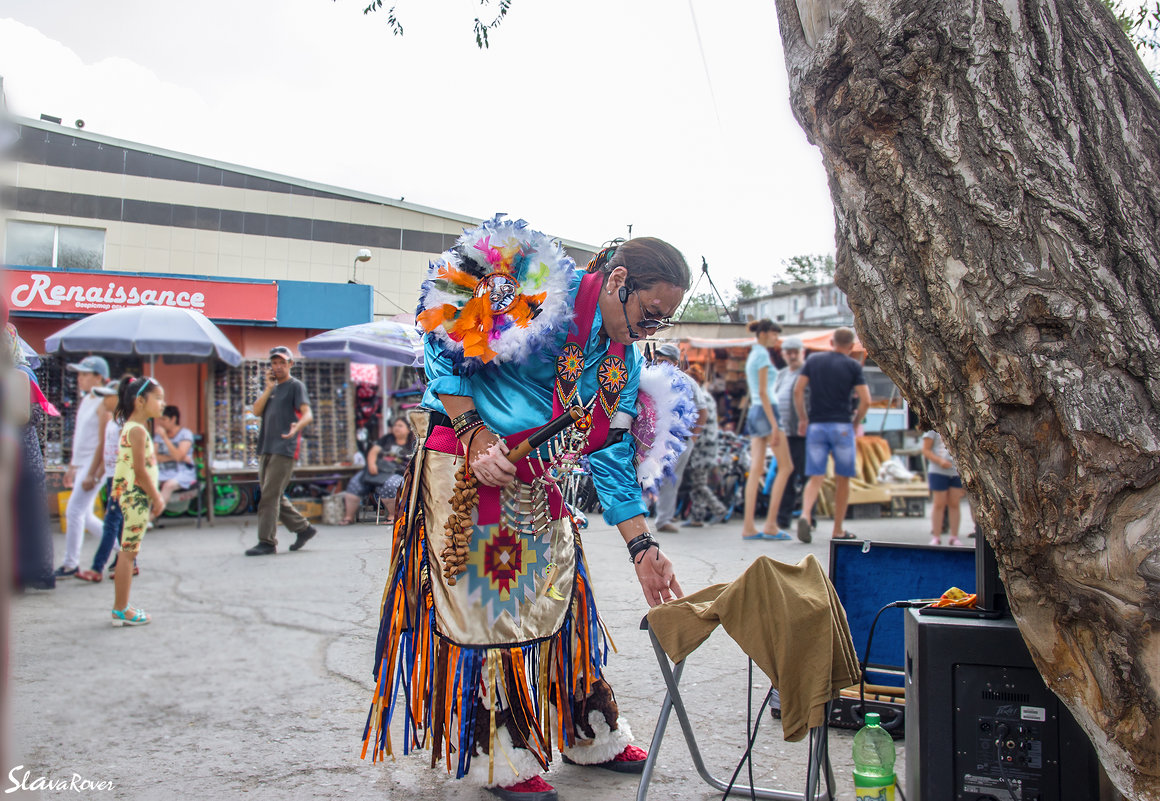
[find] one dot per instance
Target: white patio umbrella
(177, 334)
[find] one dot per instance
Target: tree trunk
(995, 171)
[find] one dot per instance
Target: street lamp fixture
(362, 255)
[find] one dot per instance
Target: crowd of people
(803, 414)
(132, 446)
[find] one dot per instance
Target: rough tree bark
(995, 170)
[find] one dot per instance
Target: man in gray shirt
(793, 351)
(285, 411)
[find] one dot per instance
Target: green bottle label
(873, 788)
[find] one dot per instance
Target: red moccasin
(631, 754)
(630, 760)
(533, 789)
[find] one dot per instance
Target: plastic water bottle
(873, 762)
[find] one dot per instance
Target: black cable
(388, 300)
(752, 736)
(693, 293)
(866, 659)
(689, 299)
(915, 604)
(1003, 768)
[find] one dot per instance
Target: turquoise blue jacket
(512, 398)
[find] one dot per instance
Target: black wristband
(638, 545)
(464, 422)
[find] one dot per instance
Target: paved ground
(254, 678)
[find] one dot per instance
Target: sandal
(845, 535)
(805, 529)
(130, 617)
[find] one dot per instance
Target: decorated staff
(490, 646)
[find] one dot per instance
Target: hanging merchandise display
(368, 405)
(328, 442)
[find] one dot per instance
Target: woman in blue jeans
(764, 428)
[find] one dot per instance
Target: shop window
(69, 247)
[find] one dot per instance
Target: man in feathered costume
(490, 646)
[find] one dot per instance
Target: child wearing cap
(87, 460)
(110, 432)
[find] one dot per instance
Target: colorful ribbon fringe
(441, 687)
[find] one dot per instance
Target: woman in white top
(764, 428)
(946, 487)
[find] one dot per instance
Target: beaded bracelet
(464, 430)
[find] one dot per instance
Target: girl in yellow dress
(135, 485)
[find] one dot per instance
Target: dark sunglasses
(650, 324)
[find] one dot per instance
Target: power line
(381, 295)
(388, 300)
(705, 63)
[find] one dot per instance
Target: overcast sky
(583, 117)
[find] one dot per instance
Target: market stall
(327, 451)
(250, 316)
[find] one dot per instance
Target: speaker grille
(1007, 698)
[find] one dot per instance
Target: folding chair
(819, 755)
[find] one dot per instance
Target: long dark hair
(410, 431)
(127, 393)
(649, 261)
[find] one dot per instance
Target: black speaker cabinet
(980, 723)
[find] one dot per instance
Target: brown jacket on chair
(787, 618)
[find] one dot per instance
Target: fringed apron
(517, 633)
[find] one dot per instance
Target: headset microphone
(624, 293)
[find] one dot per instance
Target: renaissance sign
(86, 293)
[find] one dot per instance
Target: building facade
(92, 223)
(76, 200)
(800, 304)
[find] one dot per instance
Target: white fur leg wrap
(503, 774)
(607, 745)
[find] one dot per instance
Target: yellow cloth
(787, 618)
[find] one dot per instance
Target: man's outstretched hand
(655, 573)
